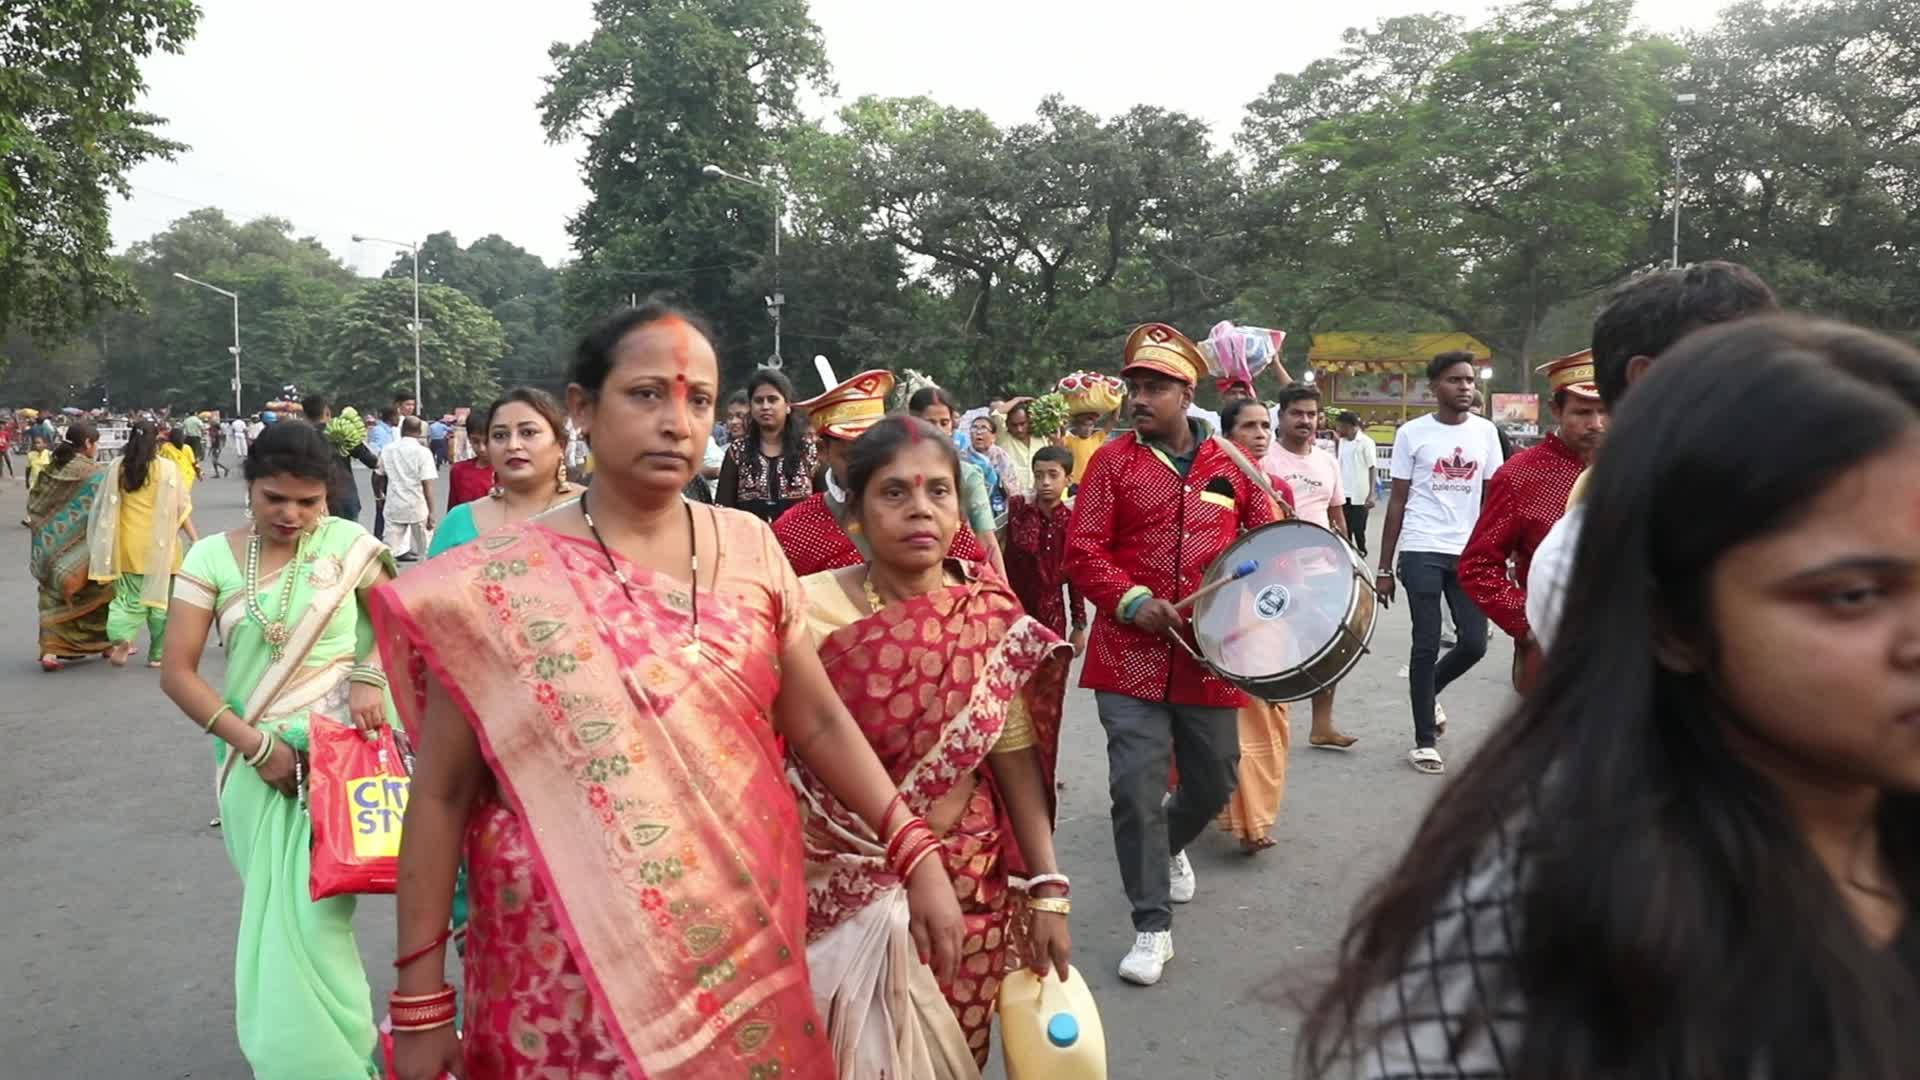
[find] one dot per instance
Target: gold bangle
(215, 718)
(1054, 905)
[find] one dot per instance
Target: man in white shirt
(1441, 462)
(1644, 318)
(410, 472)
(1358, 458)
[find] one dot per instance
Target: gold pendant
(277, 634)
(691, 650)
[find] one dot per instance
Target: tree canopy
(1493, 177)
(69, 133)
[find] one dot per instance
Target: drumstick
(1205, 591)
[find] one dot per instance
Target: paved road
(119, 907)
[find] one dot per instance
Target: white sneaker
(1180, 883)
(1151, 951)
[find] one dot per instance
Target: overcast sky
(400, 118)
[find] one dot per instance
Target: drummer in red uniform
(1157, 506)
(1524, 499)
(813, 532)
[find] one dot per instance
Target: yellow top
(136, 528)
(829, 608)
(182, 457)
(1083, 449)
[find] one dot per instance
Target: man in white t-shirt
(1359, 457)
(410, 471)
(1313, 474)
(1441, 462)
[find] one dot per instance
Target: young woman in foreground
(1694, 850)
(598, 696)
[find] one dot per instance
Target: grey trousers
(1141, 736)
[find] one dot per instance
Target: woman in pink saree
(598, 696)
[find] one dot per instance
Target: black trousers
(1357, 525)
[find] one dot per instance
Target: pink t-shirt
(1314, 478)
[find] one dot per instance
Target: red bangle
(919, 854)
(424, 949)
(899, 802)
(900, 838)
(911, 839)
(440, 996)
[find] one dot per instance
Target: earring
(560, 477)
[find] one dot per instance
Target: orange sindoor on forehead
(682, 337)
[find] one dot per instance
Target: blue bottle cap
(1063, 1030)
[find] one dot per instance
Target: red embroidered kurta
(814, 541)
(1037, 563)
(1138, 524)
(1524, 499)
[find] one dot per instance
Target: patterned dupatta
(646, 782)
(171, 505)
(57, 511)
(930, 682)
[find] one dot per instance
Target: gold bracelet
(215, 718)
(1054, 905)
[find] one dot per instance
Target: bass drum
(1294, 625)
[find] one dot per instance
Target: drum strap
(1254, 474)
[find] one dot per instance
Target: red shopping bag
(357, 787)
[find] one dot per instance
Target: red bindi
(919, 481)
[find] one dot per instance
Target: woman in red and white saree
(597, 696)
(934, 662)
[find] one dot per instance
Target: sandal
(1336, 741)
(1427, 760)
(1439, 719)
(52, 663)
(1255, 847)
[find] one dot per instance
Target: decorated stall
(1382, 376)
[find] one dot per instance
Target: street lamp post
(235, 349)
(412, 249)
(1681, 99)
(777, 300)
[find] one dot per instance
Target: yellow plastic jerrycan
(1050, 1029)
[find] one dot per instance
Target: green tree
(521, 291)
(172, 349)
(661, 89)
(1480, 177)
(367, 347)
(48, 378)
(69, 133)
(1802, 155)
(1039, 244)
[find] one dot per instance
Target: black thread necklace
(692, 648)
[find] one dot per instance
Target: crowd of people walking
(735, 721)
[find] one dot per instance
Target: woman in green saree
(289, 593)
(73, 609)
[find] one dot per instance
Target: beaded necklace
(275, 630)
(692, 648)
